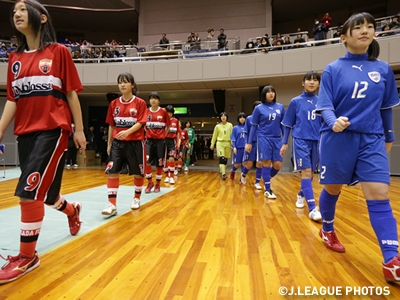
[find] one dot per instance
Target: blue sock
(274, 172)
(266, 175)
(258, 174)
(234, 169)
(385, 227)
(308, 191)
(245, 171)
(301, 194)
(327, 205)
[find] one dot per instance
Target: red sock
(112, 189)
(148, 173)
(63, 206)
(159, 172)
(32, 214)
(138, 183)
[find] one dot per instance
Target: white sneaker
(176, 172)
(167, 180)
(110, 210)
(269, 194)
(135, 203)
(75, 166)
(242, 180)
(68, 166)
(171, 180)
(315, 215)
(300, 201)
(258, 186)
(185, 169)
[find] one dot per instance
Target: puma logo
(356, 67)
(310, 101)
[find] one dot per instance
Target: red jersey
(38, 81)
(156, 123)
(124, 114)
(173, 129)
(184, 136)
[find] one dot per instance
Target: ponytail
(373, 50)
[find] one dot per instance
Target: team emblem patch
(374, 76)
(45, 65)
(133, 111)
(278, 111)
(159, 118)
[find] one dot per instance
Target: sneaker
(242, 180)
(332, 242)
(17, 266)
(75, 166)
(176, 172)
(232, 176)
(166, 180)
(192, 165)
(185, 169)
(110, 210)
(136, 203)
(315, 215)
(270, 194)
(157, 188)
(300, 201)
(391, 270)
(223, 176)
(73, 221)
(68, 166)
(149, 187)
(171, 180)
(258, 186)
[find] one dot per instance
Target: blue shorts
(305, 154)
(252, 155)
(238, 157)
(350, 156)
(268, 149)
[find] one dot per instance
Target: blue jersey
(238, 136)
(357, 88)
(268, 117)
(301, 117)
(247, 127)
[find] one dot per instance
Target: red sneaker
(17, 266)
(157, 188)
(331, 241)
(149, 187)
(232, 176)
(391, 270)
(74, 222)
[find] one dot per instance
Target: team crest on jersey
(374, 76)
(45, 65)
(159, 118)
(278, 111)
(133, 111)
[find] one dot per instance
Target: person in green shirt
(190, 144)
(222, 137)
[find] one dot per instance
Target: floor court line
(55, 230)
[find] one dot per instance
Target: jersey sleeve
(391, 97)
(325, 92)
(289, 119)
(69, 73)
(255, 117)
(142, 113)
(234, 133)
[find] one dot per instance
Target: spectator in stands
(210, 33)
(130, 42)
(386, 31)
(286, 42)
(3, 53)
(299, 39)
(278, 46)
(337, 34)
(319, 32)
(395, 23)
(222, 39)
(264, 45)
(326, 20)
(66, 42)
(250, 48)
(196, 42)
(106, 43)
(257, 43)
(278, 37)
(164, 42)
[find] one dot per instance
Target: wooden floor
(210, 239)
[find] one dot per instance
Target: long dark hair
(361, 18)
(47, 32)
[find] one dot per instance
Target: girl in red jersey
(183, 138)
(126, 116)
(42, 87)
(157, 126)
(172, 143)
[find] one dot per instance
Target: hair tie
(31, 4)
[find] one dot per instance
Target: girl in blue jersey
(238, 142)
(300, 117)
(266, 120)
(250, 156)
(356, 135)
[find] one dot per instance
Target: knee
(223, 160)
